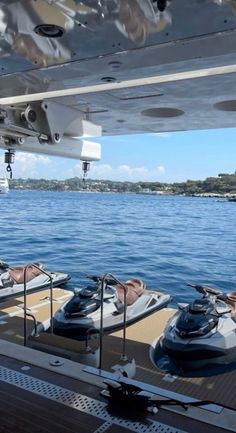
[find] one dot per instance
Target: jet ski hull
(217, 346)
(113, 320)
(38, 283)
(81, 330)
(193, 352)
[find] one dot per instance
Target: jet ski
(203, 331)
(12, 278)
(81, 315)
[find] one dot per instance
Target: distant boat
(4, 186)
(232, 199)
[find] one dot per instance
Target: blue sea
(167, 241)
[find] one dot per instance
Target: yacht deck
(219, 389)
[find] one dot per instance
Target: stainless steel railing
(26, 313)
(103, 287)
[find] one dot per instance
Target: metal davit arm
(25, 300)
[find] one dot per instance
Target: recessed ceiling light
(108, 79)
(226, 105)
(115, 64)
(49, 30)
(162, 112)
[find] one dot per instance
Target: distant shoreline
(208, 195)
(222, 186)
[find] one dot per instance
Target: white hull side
(4, 187)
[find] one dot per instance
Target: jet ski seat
(134, 289)
(17, 273)
(231, 302)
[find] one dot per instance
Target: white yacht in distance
(4, 185)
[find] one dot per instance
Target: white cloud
(40, 166)
(130, 171)
(100, 169)
(119, 173)
(161, 169)
(161, 134)
(28, 164)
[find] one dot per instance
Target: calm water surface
(167, 241)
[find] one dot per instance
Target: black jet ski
(204, 330)
(82, 313)
(12, 278)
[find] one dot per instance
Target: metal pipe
(101, 322)
(35, 323)
(51, 294)
(25, 299)
(25, 307)
(103, 285)
(89, 332)
(123, 355)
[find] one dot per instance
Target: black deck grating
(80, 402)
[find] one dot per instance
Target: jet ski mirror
(183, 307)
(220, 309)
(111, 282)
(77, 291)
(3, 265)
(95, 278)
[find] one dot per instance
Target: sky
(163, 157)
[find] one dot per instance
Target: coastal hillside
(224, 184)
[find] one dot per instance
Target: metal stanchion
(101, 322)
(123, 355)
(103, 285)
(25, 299)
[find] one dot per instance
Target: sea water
(167, 241)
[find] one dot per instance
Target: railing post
(103, 280)
(123, 355)
(25, 307)
(25, 298)
(101, 322)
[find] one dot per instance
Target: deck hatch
(79, 402)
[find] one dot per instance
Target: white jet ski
(12, 279)
(82, 313)
(204, 331)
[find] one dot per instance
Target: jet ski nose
(190, 325)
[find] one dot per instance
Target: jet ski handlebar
(108, 279)
(206, 290)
